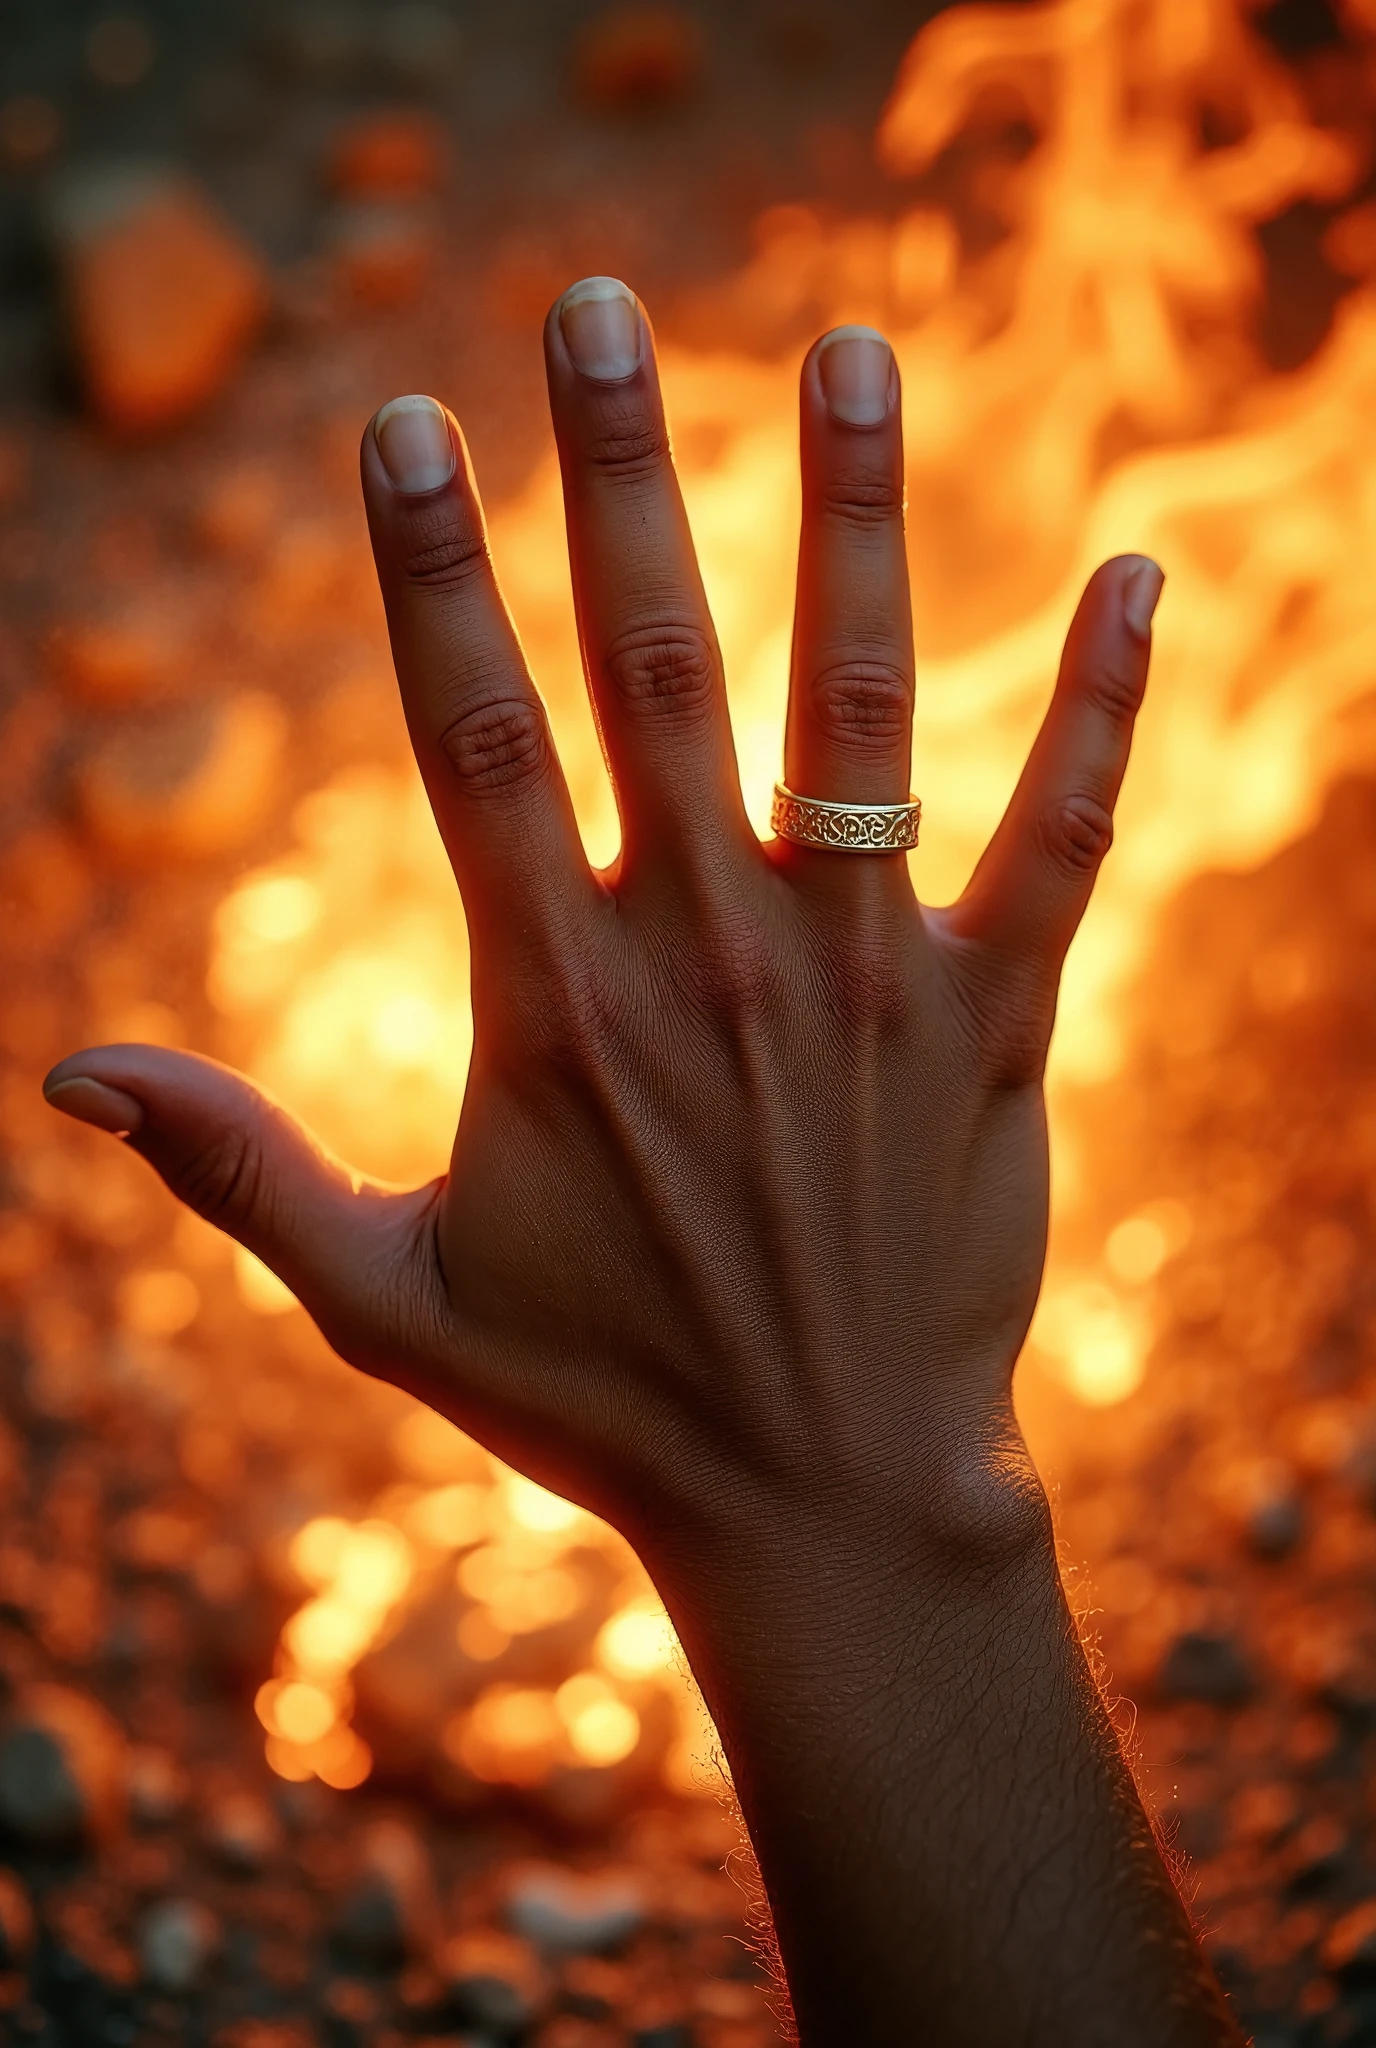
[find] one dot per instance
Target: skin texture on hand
(746, 1213)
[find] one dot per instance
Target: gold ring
(845, 828)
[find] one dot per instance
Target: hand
(748, 1194)
(746, 1214)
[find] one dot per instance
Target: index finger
(478, 727)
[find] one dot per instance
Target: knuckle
(628, 439)
(864, 704)
(1076, 833)
(571, 1028)
(1007, 1010)
(1116, 688)
(862, 498)
(443, 549)
(741, 970)
(1017, 1050)
(870, 985)
(670, 667)
(223, 1182)
(497, 746)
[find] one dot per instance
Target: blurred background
(317, 1725)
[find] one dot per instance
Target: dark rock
(242, 1831)
(389, 1913)
(368, 1927)
(493, 1982)
(560, 1909)
(177, 1939)
(1317, 1856)
(1209, 1667)
(351, 2011)
(61, 1767)
(157, 1787)
(1352, 1697)
(1275, 1526)
(304, 1808)
(84, 2001)
(592, 1989)
(1354, 2022)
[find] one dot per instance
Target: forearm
(951, 1842)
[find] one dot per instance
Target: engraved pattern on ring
(845, 828)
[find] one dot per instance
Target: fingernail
(92, 1102)
(601, 326)
(415, 444)
(1142, 589)
(855, 365)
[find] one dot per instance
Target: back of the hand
(747, 1202)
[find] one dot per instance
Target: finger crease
(454, 558)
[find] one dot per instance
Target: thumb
(359, 1258)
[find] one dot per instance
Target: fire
(1074, 335)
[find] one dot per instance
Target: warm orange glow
(317, 1548)
(451, 1517)
(287, 1761)
(480, 1638)
(342, 1760)
(602, 1728)
(374, 1567)
(327, 1635)
(303, 1713)
(1136, 1249)
(533, 1507)
(259, 1287)
(158, 1303)
(1099, 1340)
(512, 1734)
(360, 1571)
(1088, 385)
(434, 1451)
(638, 1641)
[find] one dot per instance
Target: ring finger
(850, 704)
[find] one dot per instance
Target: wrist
(959, 1522)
